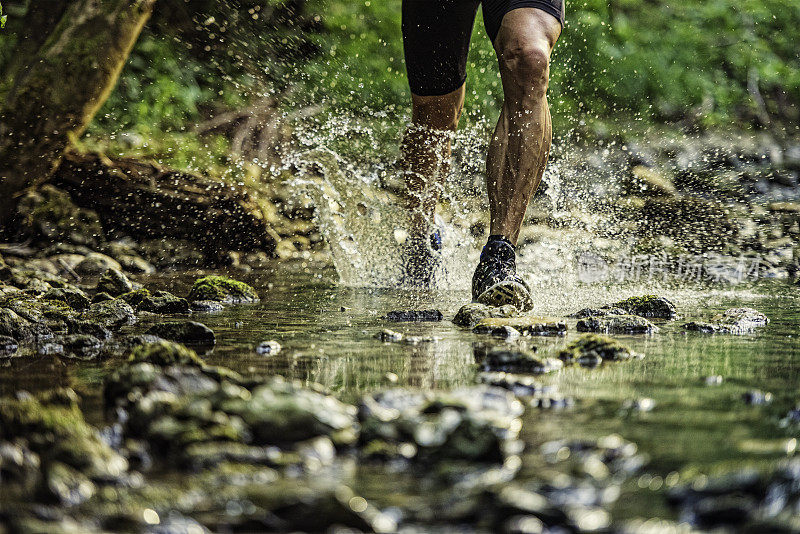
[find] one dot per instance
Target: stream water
(692, 425)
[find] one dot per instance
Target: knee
(527, 66)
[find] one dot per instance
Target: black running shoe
(496, 281)
(421, 259)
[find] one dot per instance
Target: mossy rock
(519, 361)
(617, 324)
(74, 297)
(165, 353)
(157, 302)
(114, 282)
(111, 313)
(222, 289)
(591, 345)
(651, 306)
(184, 332)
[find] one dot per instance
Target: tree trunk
(143, 200)
(58, 94)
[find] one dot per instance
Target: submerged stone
(519, 385)
(222, 289)
(526, 325)
(184, 332)
(598, 346)
(414, 316)
(80, 342)
(114, 282)
(597, 312)
(471, 314)
(617, 324)
(518, 361)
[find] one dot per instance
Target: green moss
(136, 297)
(165, 353)
(221, 288)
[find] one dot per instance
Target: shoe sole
(507, 292)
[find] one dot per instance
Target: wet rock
(504, 332)
(53, 427)
(87, 327)
(96, 264)
(79, 342)
(597, 312)
(73, 297)
(732, 321)
(477, 424)
(757, 398)
(596, 345)
(414, 316)
(111, 314)
(268, 347)
(19, 466)
(280, 412)
(14, 326)
(700, 326)
(551, 402)
(161, 302)
(518, 361)
(184, 332)
(207, 306)
(742, 501)
(651, 306)
(388, 336)
(165, 353)
(50, 348)
(471, 314)
(617, 324)
(526, 325)
(101, 297)
(114, 282)
(8, 345)
(222, 289)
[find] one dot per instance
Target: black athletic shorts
(436, 37)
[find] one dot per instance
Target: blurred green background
(620, 63)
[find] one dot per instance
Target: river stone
(519, 385)
(112, 314)
(617, 324)
(471, 314)
(222, 289)
(161, 302)
(651, 306)
(114, 282)
(135, 264)
(414, 316)
(101, 297)
(66, 485)
(504, 332)
(740, 320)
(96, 264)
(518, 361)
(73, 297)
(597, 312)
(476, 424)
(184, 332)
(598, 345)
(12, 325)
(526, 325)
(53, 427)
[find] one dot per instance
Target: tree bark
(143, 200)
(57, 95)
